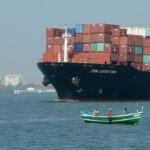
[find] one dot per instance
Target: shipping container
(78, 47)
(108, 48)
(138, 50)
(86, 38)
(146, 67)
(92, 57)
(115, 49)
(114, 57)
(147, 37)
(146, 50)
(99, 47)
(131, 40)
(71, 48)
(125, 57)
(79, 28)
(50, 57)
(100, 28)
(57, 48)
(119, 32)
(51, 32)
(115, 40)
(58, 40)
(71, 31)
(93, 46)
(86, 29)
(126, 49)
(49, 48)
(138, 66)
(71, 40)
(146, 58)
(138, 58)
(146, 42)
(79, 38)
(86, 47)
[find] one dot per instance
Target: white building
(13, 80)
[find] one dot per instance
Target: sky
(23, 24)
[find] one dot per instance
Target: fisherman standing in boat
(109, 114)
(96, 112)
(125, 111)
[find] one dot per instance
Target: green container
(138, 50)
(93, 46)
(146, 58)
(98, 47)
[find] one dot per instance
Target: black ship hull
(94, 81)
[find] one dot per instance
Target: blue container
(78, 47)
(147, 37)
(79, 28)
(71, 31)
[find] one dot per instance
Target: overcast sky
(23, 23)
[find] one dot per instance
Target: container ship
(96, 62)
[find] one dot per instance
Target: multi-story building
(13, 80)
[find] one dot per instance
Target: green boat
(130, 118)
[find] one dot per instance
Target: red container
(86, 47)
(70, 48)
(146, 67)
(102, 28)
(79, 38)
(50, 57)
(100, 38)
(125, 40)
(49, 42)
(51, 32)
(115, 49)
(119, 32)
(114, 57)
(124, 57)
(86, 38)
(146, 50)
(126, 49)
(91, 57)
(137, 40)
(104, 38)
(57, 48)
(107, 48)
(115, 40)
(146, 42)
(58, 40)
(86, 29)
(138, 66)
(49, 48)
(138, 58)
(71, 40)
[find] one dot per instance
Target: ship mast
(66, 36)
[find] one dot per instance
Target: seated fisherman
(96, 112)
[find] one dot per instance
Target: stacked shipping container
(99, 44)
(146, 54)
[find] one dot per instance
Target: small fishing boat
(130, 118)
